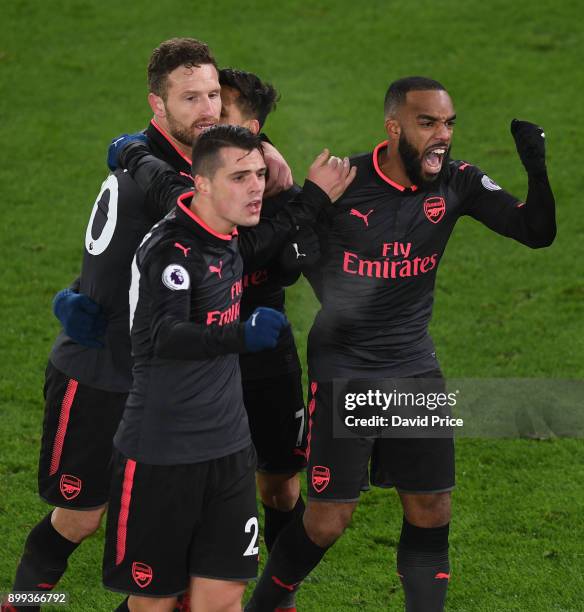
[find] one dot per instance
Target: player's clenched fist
(263, 328)
(82, 319)
(332, 174)
(530, 143)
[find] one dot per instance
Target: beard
(412, 162)
(179, 131)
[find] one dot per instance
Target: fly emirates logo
(231, 315)
(395, 262)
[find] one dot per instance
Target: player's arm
(300, 254)
(314, 273)
(532, 222)
(175, 336)
(328, 178)
(159, 181)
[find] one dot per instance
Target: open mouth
(254, 207)
(203, 126)
(433, 159)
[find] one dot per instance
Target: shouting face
(426, 122)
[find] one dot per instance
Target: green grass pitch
(72, 75)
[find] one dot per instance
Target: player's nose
(256, 183)
(443, 132)
(210, 106)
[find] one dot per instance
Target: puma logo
(185, 250)
(216, 269)
(298, 253)
(356, 213)
(254, 316)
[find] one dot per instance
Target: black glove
(530, 143)
(117, 146)
(302, 251)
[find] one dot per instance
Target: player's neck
(203, 209)
(185, 149)
(392, 166)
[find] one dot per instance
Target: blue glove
(263, 328)
(80, 317)
(117, 146)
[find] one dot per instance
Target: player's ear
(157, 105)
(202, 184)
(253, 125)
(392, 128)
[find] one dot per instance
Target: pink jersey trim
(380, 173)
(62, 427)
(198, 220)
(125, 510)
(311, 409)
(170, 142)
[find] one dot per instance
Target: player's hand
(279, 174)
(80, 317)
(117, 146)
(302, 251)
(332, 174)
(530, 143)
(263, 328)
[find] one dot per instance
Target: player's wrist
(538, 172)
(131, 153)
(313, 194)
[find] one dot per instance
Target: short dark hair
(257, 99)
(171, 54)
(207, 148)
(397, 91)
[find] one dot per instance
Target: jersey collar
(164, 147)
(182, 203)
(376, 153)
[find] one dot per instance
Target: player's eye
(426, 124)
(450, 124)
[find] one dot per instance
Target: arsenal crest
(70, 486)
(434, 208)
(142, 574)
(321, 476)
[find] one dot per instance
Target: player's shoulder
(271, 205)
(161, 237)
(464, 175)
(456, 166)
(362, 160)
(168, 244)
(365, 169)
(125, 181)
